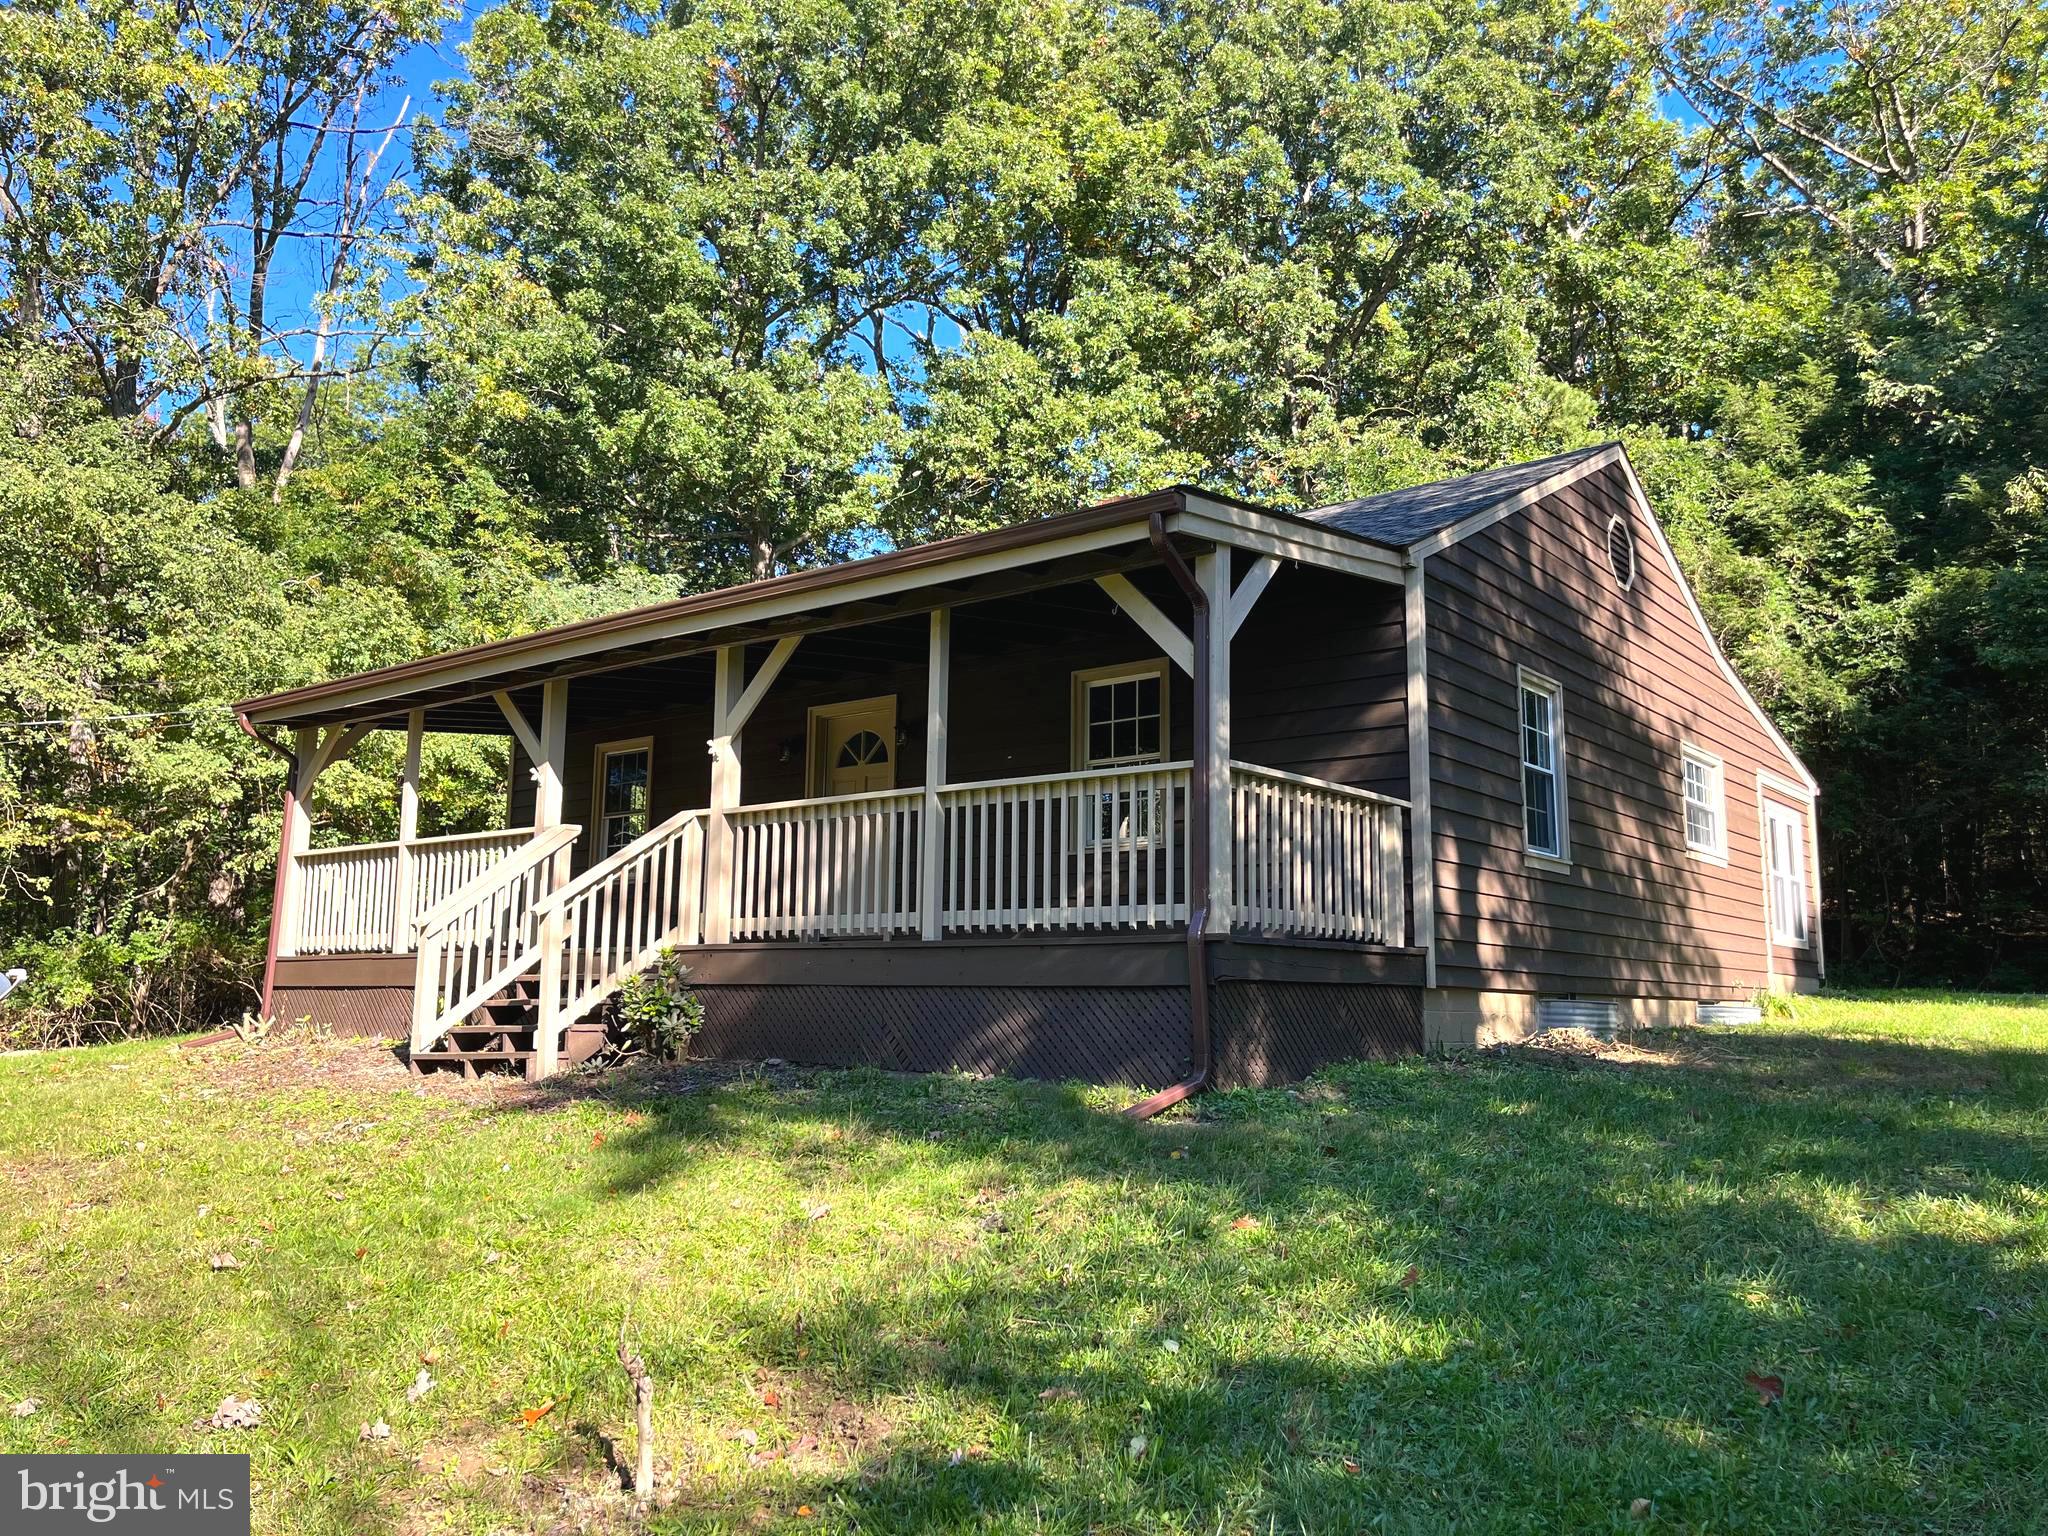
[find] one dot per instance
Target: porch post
(554, 754)
(408, 832)
(938, 694)
(297, 837)
(1212, 756)
(725, 794)
(547, 814)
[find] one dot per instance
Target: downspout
(1200, 1047)
(284, 836)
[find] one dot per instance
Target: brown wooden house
(1166, 790)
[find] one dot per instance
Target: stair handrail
(601, 929)
(618, 858)
(511, 948)
(522, 858)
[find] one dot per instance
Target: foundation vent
(1730, 1013)
(1594, 1016)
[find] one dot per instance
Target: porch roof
(1073, 546)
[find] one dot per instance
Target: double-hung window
(1120, 722)
(1785, 838)
(1543, 790)
(622, 793)
(1706, 801)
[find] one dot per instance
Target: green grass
(1499, 1294)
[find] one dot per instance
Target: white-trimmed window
(1543, 791)
(1120, 721)
(621, 792)
(1706, 803)
(1785, 848)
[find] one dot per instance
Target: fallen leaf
(422, 1384)
(26, 1407)
(1769, 1389)
(1351, 1467)
(237, 1413)
(1059, 1395)
(1171, 1346)
(505, 1327)
(377, 1431)
(746, 1436)
(1409, 1280)
(1138, 1447)
(1178, 1152)
(360, 1252)
(1639, 1509)
(816, 1211)
(1244, 1223)
(804, 1511)
(805, 1443)
(430, 1357)
(532, 1416)
(597, 1138)
(771, 1398)
(224, 1261)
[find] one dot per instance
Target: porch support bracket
(1145, 613)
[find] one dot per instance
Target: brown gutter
(1200, 1049)
(1109, 514)
(284, 843)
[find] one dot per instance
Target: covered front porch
(1083, 753)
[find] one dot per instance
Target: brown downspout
(1199, 791)
(284, 842)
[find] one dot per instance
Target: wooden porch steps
(498, 1036)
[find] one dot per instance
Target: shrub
(658, 1011)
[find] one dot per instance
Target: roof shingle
(1409, 516)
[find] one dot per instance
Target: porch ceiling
(456, 688)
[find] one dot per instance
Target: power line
(155, 714)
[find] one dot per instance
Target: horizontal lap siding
(1636, 914)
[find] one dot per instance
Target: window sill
(1549, 863)
(1718, 860)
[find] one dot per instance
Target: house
(1171, 790)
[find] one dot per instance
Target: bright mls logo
(159, 1495)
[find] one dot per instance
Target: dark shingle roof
(1406, 517)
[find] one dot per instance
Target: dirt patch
(379, 1066)
(1576, 1047)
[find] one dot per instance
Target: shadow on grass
(1463, 1290)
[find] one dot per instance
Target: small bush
(657, 1011)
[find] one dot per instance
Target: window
(1786, 831)
(1543, 804)
(621, 795)
(1621, 552)
(1706, 821)
(1120, 721)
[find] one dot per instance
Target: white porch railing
(617, 916)
(1105, 848)
(347, 900)
(485, 935)
(847, 865)
(1315, 859)
(349, 897)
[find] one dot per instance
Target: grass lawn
(1518, 1292)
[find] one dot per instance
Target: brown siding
(1636, 914)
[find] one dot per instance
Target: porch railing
(1312, 859)
(486, 935)
(1100, 849)
(612, 920)
(847, 865)
(350, 897)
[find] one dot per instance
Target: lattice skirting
(376, 1013)
(1135, 1035)
(1266, 1032)
(1269, 1032)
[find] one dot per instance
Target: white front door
(853, 746)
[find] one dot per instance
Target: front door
(853, 746)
